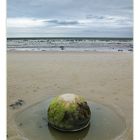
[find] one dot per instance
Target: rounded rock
(69, 112)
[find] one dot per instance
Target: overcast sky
(69, 18)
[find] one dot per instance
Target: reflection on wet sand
(80, 135)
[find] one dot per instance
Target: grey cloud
(127, 7)
(62, 22)
(66, 8)
(99, 17)
(94, 17)
(69, 32)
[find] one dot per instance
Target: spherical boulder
(69, 112)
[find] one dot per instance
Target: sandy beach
(102, 77)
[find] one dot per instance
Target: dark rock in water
(69, 112)
(120, 50)
(62, 47)
(130, 50)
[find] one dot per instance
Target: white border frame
(136, 93)
(3, 92)
(3, 70)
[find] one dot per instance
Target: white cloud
(79, 27)
(105, 21)
(24, 22)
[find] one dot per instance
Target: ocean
(71, 44)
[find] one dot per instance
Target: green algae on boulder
(69, 112)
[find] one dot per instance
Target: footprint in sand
(34, 90)
(37, 87)
(116, 99)
(115, 93)
(102, 97)
(55, 84)
(102, 83)
(92, 90)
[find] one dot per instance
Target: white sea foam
(70, 44)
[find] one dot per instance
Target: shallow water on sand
(105, 124)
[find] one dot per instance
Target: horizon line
(69, 37)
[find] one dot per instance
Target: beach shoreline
(103, 77)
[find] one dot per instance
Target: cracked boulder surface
(69, 112)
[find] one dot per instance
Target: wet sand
(105, 78)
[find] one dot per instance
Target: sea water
(70, 44)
